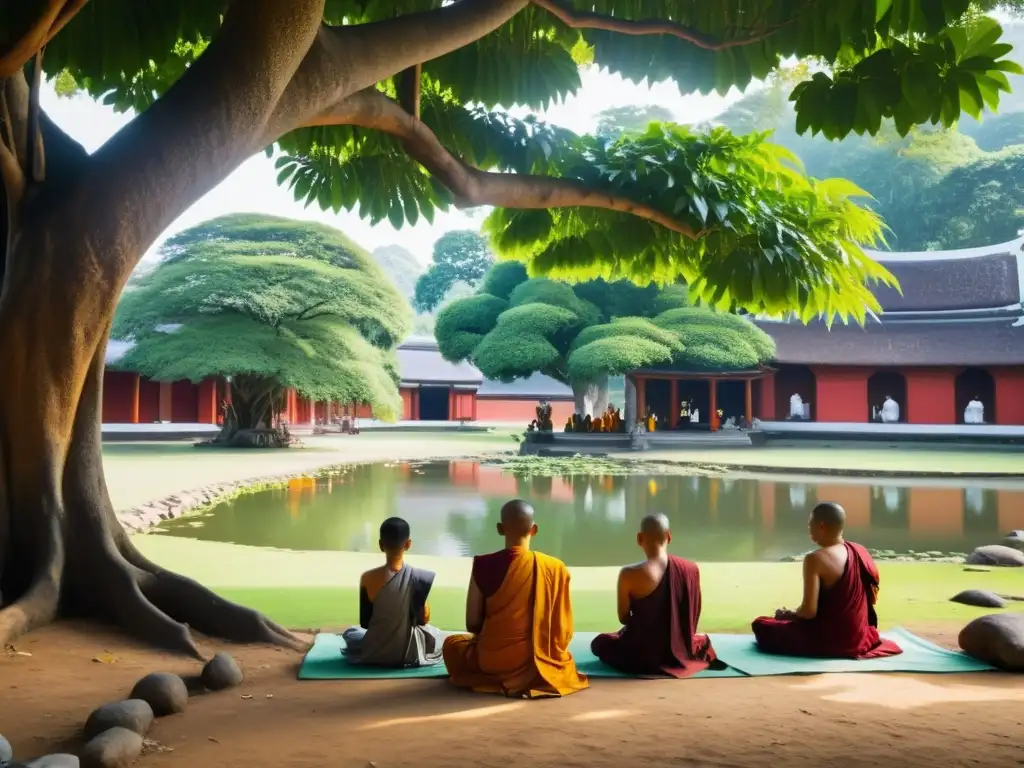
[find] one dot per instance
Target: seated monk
(519, 612)
(393, 611)
(659, 606)
(837, 616)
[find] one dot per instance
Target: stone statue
(890, 411)
(974, 413)
(543, 421)
(695, 415)
(796, 406)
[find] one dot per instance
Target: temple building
(951, 337)
(432, 389)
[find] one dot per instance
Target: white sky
(252, 187)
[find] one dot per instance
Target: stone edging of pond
(144, 517)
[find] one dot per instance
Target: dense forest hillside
(936, 189)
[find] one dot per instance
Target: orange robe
(523, 647)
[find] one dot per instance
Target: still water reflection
(453, 506)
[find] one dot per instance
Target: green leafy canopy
(576, 333)
(749, 230)
(293, 302)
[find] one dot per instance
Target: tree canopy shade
(460, 256)
(273, 304)
(389, 108)
(582, 334)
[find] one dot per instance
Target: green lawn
(317, 589)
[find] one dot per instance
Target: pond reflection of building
(1010, 505)
(889, 507)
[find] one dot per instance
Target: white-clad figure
(796, 406)
(797, 495)
(974, 413)
(695, 415)
(890, 411)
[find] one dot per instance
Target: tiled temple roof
(909, 343)
(534, 386)
(990, 281)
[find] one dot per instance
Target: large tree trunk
(252, 419)
(62, 549)
(590, 399)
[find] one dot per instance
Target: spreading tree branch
(407, 84)
(56, 14)
(472, 187)
(564, 12)
(35, 158)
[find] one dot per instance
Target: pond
(453, 506)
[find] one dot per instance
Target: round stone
(1015, 540)
(54, 761)
(980, 598)
(6, 751)
(116, 748)
(997, 639)
(164, 692)
(134, 714)
(221, 672)
(996, 554)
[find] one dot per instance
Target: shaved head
(655, 526)
(831, 515)
(516, 518)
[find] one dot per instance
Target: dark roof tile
(974, 282)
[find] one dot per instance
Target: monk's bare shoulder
(814, 560)
(633, 570)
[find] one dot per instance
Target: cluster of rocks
(114, 732)
(997, 639)
(142, 518)
(892, 556)
(1009, 554)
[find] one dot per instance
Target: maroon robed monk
(837, 617)
(659, 606)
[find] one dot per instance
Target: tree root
(205, 611)
(39, 604)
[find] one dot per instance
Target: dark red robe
(845, 627)
(660, 637)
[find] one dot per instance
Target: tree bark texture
(69, 241)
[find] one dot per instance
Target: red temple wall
(524, 411)
(766, 398)
(184, 402)
(1009, 395)
(118, 393)
(461, 405)
(842, 394)
(931, 396)
(149, 401)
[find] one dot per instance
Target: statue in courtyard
(695, 415)
(796, 406)
(543, 421)
(890, 411)
(974, 413)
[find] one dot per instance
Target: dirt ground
(274, 719)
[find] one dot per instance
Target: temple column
(166, 409)
(673, 413)
(641, 397)
(133, 416)
(713, 398)
(629, 407)
(748, 404)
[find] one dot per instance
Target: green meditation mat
(740, 652)
(324, 661)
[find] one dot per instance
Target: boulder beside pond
(996, 554)
(54, 761)
(164, 692)
(6, 752)
(997, 639)
(979, 598)
(1015, 540)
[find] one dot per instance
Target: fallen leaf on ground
(246, 695)
(105, 658)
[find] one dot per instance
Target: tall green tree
(273, 304)
(460, 256)
(389, 108)
(583, 334)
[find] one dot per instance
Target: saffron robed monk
(837, 617)
(659, 606)
(520, 619)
